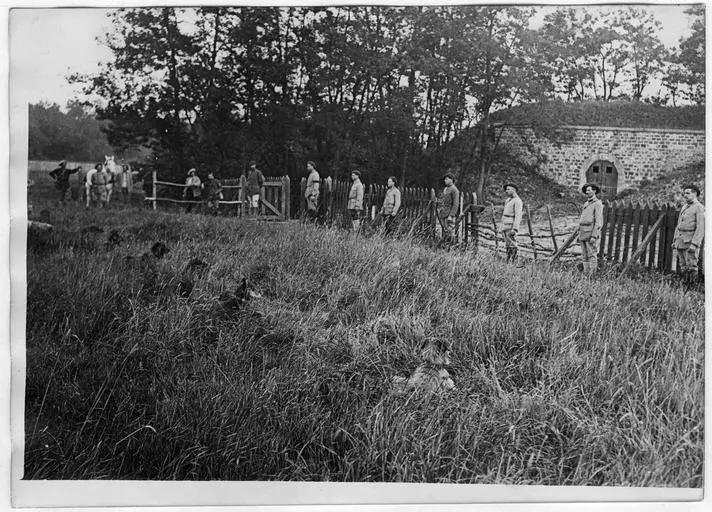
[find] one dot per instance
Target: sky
(46, 45)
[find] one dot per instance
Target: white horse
(114, 170)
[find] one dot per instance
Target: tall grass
(560, 380)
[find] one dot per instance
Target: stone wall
(638, 153)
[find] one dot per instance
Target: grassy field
(560, 380)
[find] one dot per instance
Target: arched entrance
(604, 174)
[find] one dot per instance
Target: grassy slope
(560, 380)
(668, 188)
(618, 113)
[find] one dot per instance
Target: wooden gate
(273, 205)
(604, 174)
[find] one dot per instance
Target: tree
(692, 55)
(71, 135)
(645, 51)
(384, 89)
(566, 39)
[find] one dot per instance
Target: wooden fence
(626, 226)
(274, 196)
(631, 233)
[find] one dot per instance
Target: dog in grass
(431, 376)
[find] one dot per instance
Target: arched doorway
(604, 174)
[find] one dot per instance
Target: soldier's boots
(511, 254)
(690, 278)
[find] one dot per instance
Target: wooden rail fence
(274, 196)
(631, 234)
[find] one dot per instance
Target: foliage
(127, 380)
(71, 135)
(622, 114)
(379, 88)
(668, 187)
(617, 54)
(382, 89)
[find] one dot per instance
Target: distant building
(613, 144)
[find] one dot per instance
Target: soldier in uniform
(391, 205)
(689, 233)
(61, 176)
(255, 182)
(99, 186)
(213, 193)
(311, 193)
(590, 225)
(449, 205)
(355, 202)
(511, 218)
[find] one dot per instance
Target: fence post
(475, 221)
(325, 207)
(242, 194)
(302, 200)
(551, 229)
(531, 232)
(652, 253)
(263, 190)
(670, 224)
(154, 176)
(628, 224)
(662, 241)
(639, 251)
(494, 228)
(285, 197)
(563, 248)
(433, 213)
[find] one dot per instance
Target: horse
(114, 170)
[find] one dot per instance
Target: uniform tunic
(590, 224)
(591, 220)
(311, 193)
(449, 205)
(450, 201)
(126, 179)
(255, 180)
(511, 218)
(392, 202)
(355, 196)
(99, 182)
(689, 233)
(192, 187)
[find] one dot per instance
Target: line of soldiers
(689, 232)
(212, 190)
(687, 241)
(391, 207)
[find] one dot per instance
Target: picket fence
(632, 233)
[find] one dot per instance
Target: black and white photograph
(287, 249)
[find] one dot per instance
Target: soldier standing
(590, 225)
(391, 205)
(192, 189)
(511, 218)
(61, 176)
(449, 205)
(355, 203)
(213, 192)
(255, 182)
(311, 193)
(689, 233)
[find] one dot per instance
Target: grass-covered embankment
(560, 380)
